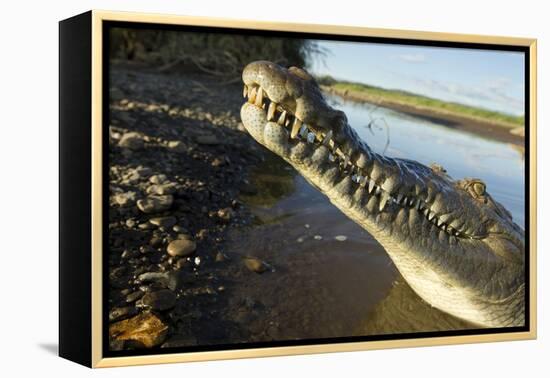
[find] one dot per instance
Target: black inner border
(107, 25)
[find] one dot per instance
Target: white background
(29, 174)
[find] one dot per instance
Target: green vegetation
(369, 93)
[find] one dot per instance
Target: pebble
(162, 189)
(155, 204)
(179, 229)
(218, 162)
(167, 279)
(177, 146)
(157, 179)
(220, 257)
(132, 141)
(318, 237)
(255, 265)
(341, 238)
(163, 221)
(145, 330)
(181, 247)
(125, 199)
(226, 214)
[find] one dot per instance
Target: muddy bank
(467, 124)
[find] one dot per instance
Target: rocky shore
(178, 160)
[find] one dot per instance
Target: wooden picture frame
(87, 131)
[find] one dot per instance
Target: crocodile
(453, 243)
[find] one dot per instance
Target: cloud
(412, 58)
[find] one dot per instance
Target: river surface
(329, 277)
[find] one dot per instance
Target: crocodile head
(454, 244)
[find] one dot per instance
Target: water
(321, 286)
(498, 164)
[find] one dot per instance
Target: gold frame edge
(98, 16)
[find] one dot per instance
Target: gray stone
(181, 247)
(155, 204)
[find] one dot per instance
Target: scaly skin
(454, 244)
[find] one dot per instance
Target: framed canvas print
(235, 189)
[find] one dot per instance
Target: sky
(484, 78)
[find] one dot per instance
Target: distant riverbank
(494, 125)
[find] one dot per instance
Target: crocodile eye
(479, 188)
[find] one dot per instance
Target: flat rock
(181, 247)
(159, 300)
(143, 331)
(132, 140)
(155, 204)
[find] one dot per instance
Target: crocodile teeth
(371, 186)
(295, 128)
(418, 206)
(363, 182)
(259, 97)
(327, 138)
(245, 90)
(431, 216)
(439, 223)
(383, 201)
(252, 95)
(271, 111)
(310, 137)
(399, 198)
(281, 120)
(346, 161)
